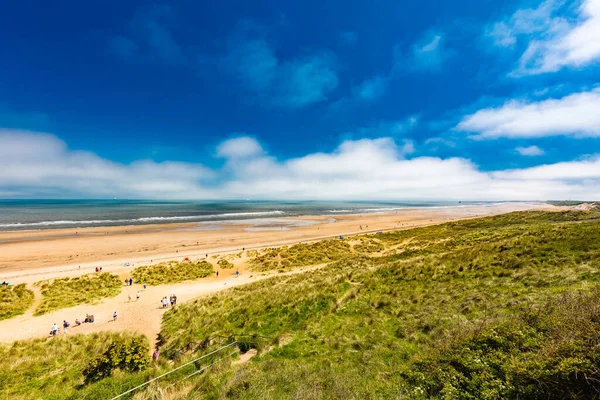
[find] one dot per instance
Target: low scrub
(130, 355)
(14, 300)
(546, 352)
(172, 272)
(223, 263)
(69, 292)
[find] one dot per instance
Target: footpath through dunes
(142, 316)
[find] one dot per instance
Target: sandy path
(143, 316)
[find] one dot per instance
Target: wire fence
(232, 341)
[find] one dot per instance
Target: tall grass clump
(223, 263)
(69, 292)
(14, 300)
(172, 272)
(300, 255)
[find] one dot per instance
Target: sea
(53, 214)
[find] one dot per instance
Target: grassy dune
(52, 369)
(69, 292)
(300, 255)
(494, 308)
(388, 326)
(14, 300)
(172, 272)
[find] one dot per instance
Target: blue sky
(392, 100)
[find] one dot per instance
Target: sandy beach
(32, 256)
(23, 253)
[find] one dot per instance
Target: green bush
(14, 300)
(172, 272)
(69, 292)
(223, 263)
(129, 355)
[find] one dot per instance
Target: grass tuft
(14, 300)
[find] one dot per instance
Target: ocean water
(49, 214)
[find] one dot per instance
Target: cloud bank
(41, 165)
(573, 115)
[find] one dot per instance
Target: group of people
(98, 269)
(55, 330)
(172, 299)
(129, 282)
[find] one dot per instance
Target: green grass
(172, 272)
(14, 300)
(69, 292)
(357, 327)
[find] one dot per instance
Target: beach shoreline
(25, 252)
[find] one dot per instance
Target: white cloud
(526, 22)
(34, 164)
(530, 151)
(585, 170)
(573, 115)
(242, 146)
(554, 41)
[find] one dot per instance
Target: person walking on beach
(237, 274)
(156, 354)
(129, 297)
(65, 325)
(217, 274)
(115, 316)
(130, 281)
(174, 303)
(144, 286)
(137, 296)
(54, 330)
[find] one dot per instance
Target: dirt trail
(143, 316)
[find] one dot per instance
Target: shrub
(223, 263)
(14, 300)
(127, 355)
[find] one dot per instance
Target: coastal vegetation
(490, 308)
(172, 272)
(14, 300)
(300, 255)
(69, 292)
(53, 368)
(225, 264)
